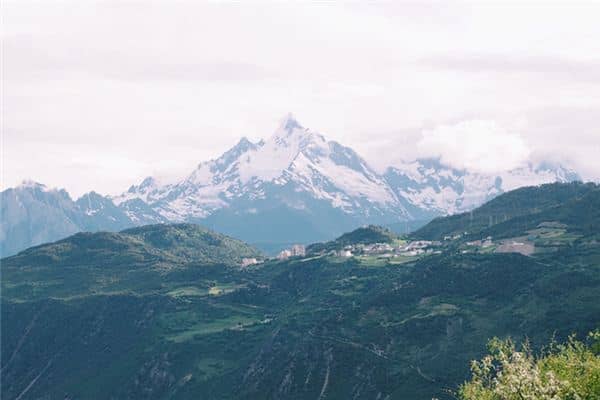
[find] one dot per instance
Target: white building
(284, 254)
(344, 253)
(249, 261)
(298, 250)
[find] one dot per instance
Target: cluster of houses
(454, 237)
(246, 262)
(383, 250)
(296, 250)
(387, 250)
(399, 249)
(487, 242)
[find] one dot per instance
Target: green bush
(569, 371)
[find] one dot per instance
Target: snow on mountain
(294, 156)
(429, 186)
(298, 160)
(148, 191)
(536, 174)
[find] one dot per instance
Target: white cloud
(188, 79)
(478, 145)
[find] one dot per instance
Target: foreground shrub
(569, 371)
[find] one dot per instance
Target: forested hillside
(166, 312)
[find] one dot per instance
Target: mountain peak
(243, 145)
(291, 135)
(243, 142)
(31, 184)
(288, 123)
(563, 172)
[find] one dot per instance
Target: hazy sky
(97, 95)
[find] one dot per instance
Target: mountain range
(296, 186)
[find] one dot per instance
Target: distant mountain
(429, 188)
(294, 187)
(33, 214)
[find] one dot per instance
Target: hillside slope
(136, 315)
(364, 235)
(288, 330)
(110, 263)
(521, 209)
(146, 245)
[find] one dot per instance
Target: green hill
(152, 322)
(147, 245)
(364, 235)
(517, 211)
(131, 261)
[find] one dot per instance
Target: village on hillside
(405, 248)
(398, 248)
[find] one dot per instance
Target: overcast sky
(98, 95)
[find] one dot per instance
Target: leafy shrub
(569, 371)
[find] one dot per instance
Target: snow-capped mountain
(296, 169)
(295, 186)
(304, 163)
(431, 188)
